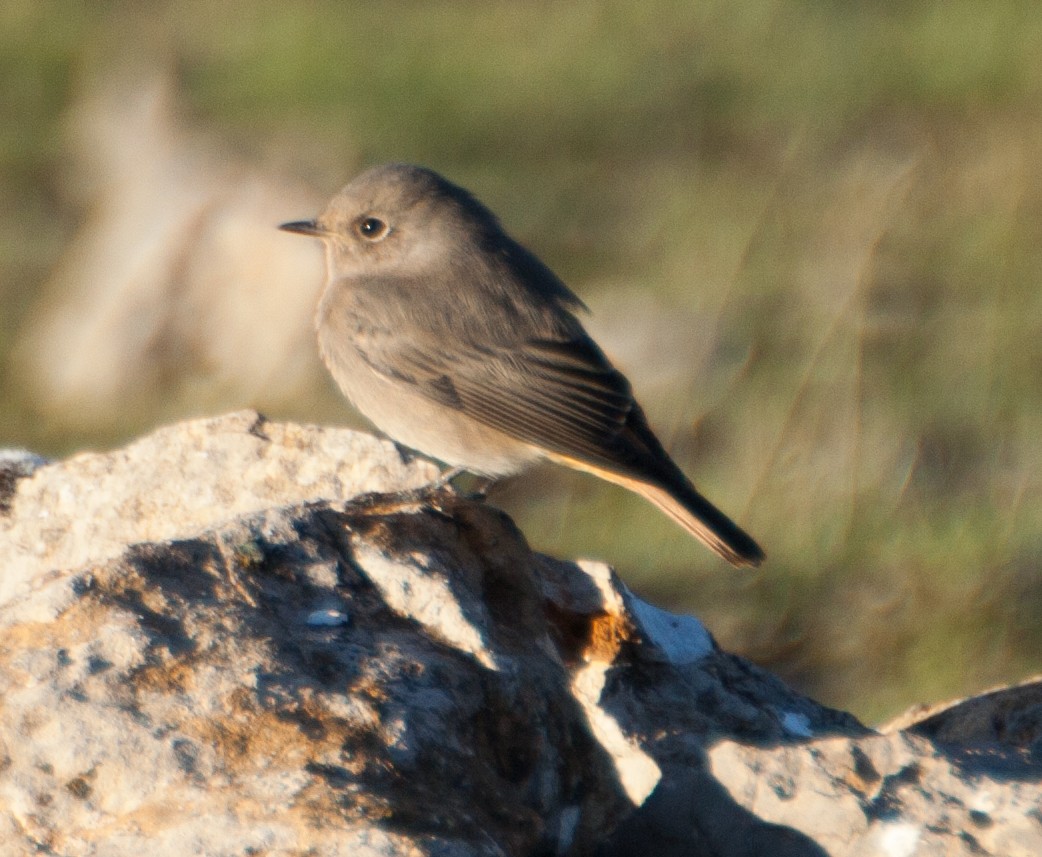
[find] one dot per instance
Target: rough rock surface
(219, 640)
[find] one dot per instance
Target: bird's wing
(557, 392)
(560, 395)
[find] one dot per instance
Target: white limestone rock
(239, 637)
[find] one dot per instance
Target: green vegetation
(848, 194)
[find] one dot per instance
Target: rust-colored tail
(705, 522)
(685, 506)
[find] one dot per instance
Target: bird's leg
(446, 477)
(480, 489)
(481, 483)
(443, 479)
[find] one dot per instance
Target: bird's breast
(399, 409)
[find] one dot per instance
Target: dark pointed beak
(304, 227)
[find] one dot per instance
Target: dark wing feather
(563, 396)
(507, 352)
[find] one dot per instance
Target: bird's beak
(304, 227)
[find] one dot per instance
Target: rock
(15, 464)
(239, 637)
(890, 795)
(1011, 716)
(179, 480)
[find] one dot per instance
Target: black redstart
(458, 342)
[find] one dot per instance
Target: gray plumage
(460, 343)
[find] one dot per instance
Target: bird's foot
(478, 490)
(445, 478)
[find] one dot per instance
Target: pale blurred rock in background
(178, 289)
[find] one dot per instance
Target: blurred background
(810, 231)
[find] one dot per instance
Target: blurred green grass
(849, 193)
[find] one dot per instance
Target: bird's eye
(372, 228)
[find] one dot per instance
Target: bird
(458, 342)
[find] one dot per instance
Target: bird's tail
(704, 521)
(682, 502)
